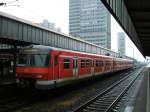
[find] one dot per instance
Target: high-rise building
(49, 25)
(90, 20)
(121, 43)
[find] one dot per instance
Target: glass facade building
(90, 21)
(121, 43)
(49, 25)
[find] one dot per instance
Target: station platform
(139, 97)
(142, 99)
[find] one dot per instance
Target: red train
(45, 66)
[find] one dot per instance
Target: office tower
(121, 43)
(90, 21)
(49, 25)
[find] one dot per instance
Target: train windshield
(34, 60)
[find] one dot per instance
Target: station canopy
(139, 11)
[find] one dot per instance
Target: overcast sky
(57, 11)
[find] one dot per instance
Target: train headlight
(38, 76)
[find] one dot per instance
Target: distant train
(46, 67)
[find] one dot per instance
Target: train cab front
(33, 66)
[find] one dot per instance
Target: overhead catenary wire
(10, 2)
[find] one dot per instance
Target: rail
(105, 100)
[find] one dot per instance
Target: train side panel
(70, 65)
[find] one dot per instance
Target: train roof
(49, 48)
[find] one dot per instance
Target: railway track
(106, 100)
(23, 98)
(15, 103)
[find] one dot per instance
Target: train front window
(34, 60)
(22, 60)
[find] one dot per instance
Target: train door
(92, 67)
(75, 66)
(56, 67)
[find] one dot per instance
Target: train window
(107, 63)
(101, 63)
(55, 60)
(83, 63)
(88, 63)
(66, 63)
(34, 60)
(97, 63)
(39, 60)
(22, 60)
